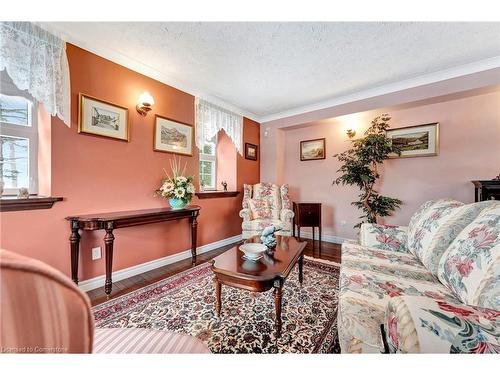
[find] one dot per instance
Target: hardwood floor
(329, 251)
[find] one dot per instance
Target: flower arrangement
(177, 188)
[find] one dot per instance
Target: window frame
(211, 159)
(29, 132)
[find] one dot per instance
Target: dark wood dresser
(486, 190)
(307, 214)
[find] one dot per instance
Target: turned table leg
(74, 240)
(218, 297)
(301, 266)
(194, 230)
(278, 293)
(109, 239)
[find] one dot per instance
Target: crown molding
(142, 68)
(138, 66)
(442, 75)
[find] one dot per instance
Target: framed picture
(251, 151)
(99, 117)
(312, 149)
(419, 140)
(173, 136)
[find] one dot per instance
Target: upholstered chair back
(41, 310)
(271, 193)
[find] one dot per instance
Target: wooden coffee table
(271, 271)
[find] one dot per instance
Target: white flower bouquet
(177, 188)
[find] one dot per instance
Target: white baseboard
(125, 273)
(324, 237)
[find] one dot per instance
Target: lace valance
(211, 118)
(36, 61)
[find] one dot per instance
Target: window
(18, 140)
(208, 164)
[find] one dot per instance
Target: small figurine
(23, 193)
(224, 185)
(497, 177)
(268, 236)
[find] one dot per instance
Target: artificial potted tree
(360, 168)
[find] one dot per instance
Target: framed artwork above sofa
(418, 140)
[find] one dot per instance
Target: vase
(177, 204)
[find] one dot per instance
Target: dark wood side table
(486, 189)
(307, 214)
(114, 220)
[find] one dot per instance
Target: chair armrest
(245, 214)
(384, 237)
(416, 324)
(286, 215)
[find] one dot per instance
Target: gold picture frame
(172, 136)
(102, 118)
(416, 140)
(313, 149)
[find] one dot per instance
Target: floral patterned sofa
(434, 285)
(266, 204)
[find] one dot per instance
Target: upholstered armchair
(43, 311)
(266, 204)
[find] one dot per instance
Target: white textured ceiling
(268, 68)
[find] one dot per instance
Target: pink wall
(96, 174)
(469, 149)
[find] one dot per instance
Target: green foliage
(360, 168)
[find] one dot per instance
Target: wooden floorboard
(328, 251)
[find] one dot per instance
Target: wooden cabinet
(486, 190)
(307, 214)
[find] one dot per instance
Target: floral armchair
(266, 204)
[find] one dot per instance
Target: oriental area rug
(185, 303)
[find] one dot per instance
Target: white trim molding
(98, 282)
(138, 66)
(422, 80)
(325, 237)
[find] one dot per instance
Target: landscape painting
(105, 119)
(99, 117)
(173, 136)
(313, 149)
(420, 140)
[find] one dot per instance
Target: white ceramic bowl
(253, 250)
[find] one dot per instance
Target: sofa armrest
(245, 214)
(384, 237)
(415, 324)
(286, 215)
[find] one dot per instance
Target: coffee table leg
(301, 265)
(277, 304)
(218, 299)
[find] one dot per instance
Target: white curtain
(211, 118)
(36, 61)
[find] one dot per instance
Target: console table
(113, 220)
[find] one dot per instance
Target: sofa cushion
(425, 224)
(469, 267)
(368, 279)
(427, 325)
(259, 209)
(384, 237)
(448, 231)
(259, 225)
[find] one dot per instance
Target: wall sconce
(351, 133)
(145, 104)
